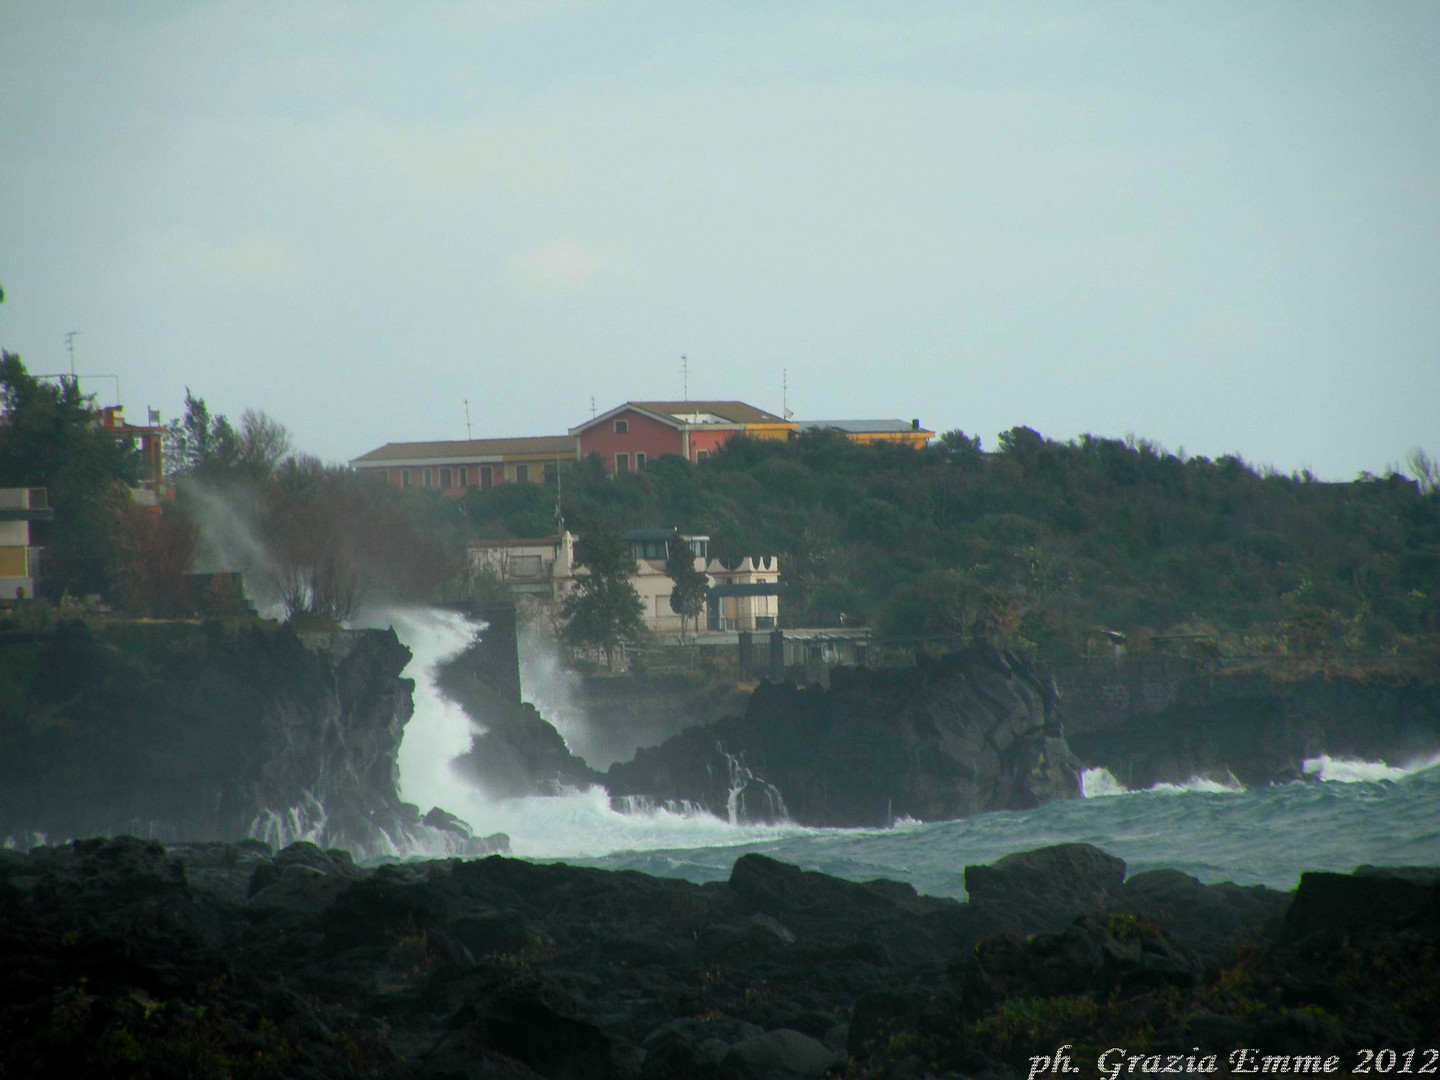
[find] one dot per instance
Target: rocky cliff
(1150, 722)
(181, 732)
(973, 732)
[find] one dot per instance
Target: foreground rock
(976, 731)
(127, 958)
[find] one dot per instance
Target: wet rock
(1400, 897)
(1047, 887)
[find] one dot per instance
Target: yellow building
(875, 431)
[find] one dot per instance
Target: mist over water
(1349, 813)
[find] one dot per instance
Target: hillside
(1042, 542)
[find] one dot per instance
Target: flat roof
(865, 427)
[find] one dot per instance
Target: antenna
(70, 345)
(592, 406)
(559, 498)
(685, 374)
(785, 393)
(467, 419)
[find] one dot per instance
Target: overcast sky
(1213, 225)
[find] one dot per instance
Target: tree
(49, 438)
(687, 598)
(603, 608)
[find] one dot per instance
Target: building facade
(869, 432)
(454, 467)
(19, 562)
(745, 591)
(630, 436)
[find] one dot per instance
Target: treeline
(311, 540)
(1041, 542)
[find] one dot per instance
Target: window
(622, 463)
(427, 477)
(445, 478)
(404, 477)
(464, 476)
(487, 476)
(639, 462)
(701, 455)
(522, 472)
(622, 427)
(551, 472)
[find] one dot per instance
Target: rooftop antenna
(685, 374)
(467, 419)
(70, 345)
(785, 393)
(592, 406)
(559, 498)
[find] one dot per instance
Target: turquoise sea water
(1363, 813)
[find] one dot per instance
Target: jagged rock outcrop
(514, 751)
(177, 732)
(975, 731)
(125, 957)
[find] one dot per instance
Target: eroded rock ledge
(128, 958)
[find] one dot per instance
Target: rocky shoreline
(129, 958)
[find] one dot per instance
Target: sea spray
(1355, 771)
(573, 823)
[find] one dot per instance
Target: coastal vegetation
(1042, 544)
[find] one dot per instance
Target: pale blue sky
(1214, 225)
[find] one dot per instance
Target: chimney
(915, 425)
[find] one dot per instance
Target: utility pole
(70, 345)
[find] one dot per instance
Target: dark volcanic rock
(1400, 897)
(203, 733)
(1045, 887)
(125, 958)
(975, 731)
(515, 751)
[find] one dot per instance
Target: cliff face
(971, 733)
(179, 732)
(1152, 722)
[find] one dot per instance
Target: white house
(744, 592)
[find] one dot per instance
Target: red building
(632, 435)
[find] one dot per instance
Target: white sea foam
(1356, 771)
(1228, 786)
(573, 823)
(1099, 783)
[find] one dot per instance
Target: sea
(1346, 813)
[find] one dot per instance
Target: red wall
(701, 439)
(647, 436)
